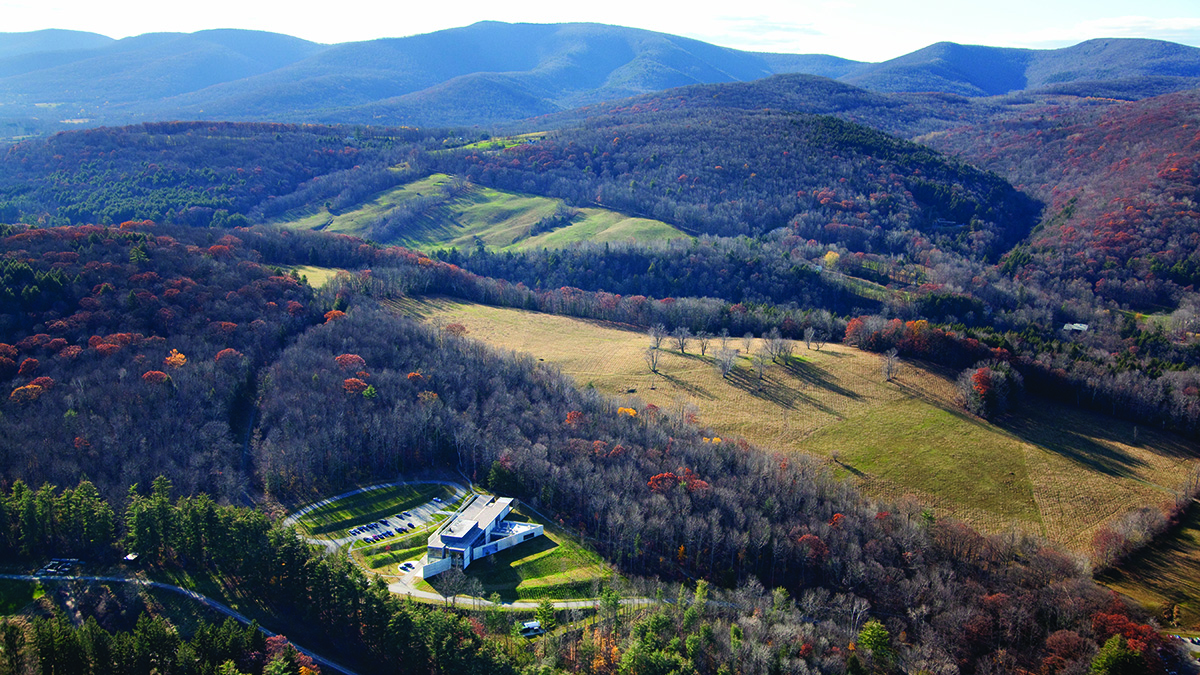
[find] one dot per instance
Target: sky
(864, 30)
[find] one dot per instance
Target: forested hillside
(1121, 187)
(168, 341)
(731, 171)
(195, 173)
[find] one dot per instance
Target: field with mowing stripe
(554, 566)
(338, 516)
(1047, 468)
(497, 219)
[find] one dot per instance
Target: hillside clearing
(436, 214)
(1047, 468)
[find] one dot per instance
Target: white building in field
(476, 531)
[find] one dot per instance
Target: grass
(1165, 574)
(365, 507)
(1047, 468)
(555, 566)
(14, 595)
(315, 276)
(497, 219)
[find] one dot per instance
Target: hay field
(497, 219)
(1047, 469)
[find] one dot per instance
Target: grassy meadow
(1046, 468)
(500, 220)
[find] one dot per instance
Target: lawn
(1047, 468)
(553, 566)
(338, 516)
(497, 219)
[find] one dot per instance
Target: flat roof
(462, 530)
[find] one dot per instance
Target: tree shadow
(817, 377)
(691, 389)
(1163, 564)
(1071, 444)
(775, 391)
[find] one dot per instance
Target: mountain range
(493, 72)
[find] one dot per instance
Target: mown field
(554, 566)
(499, 220)
(1046, 468)
(336, 517)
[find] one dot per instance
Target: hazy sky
(870, 30)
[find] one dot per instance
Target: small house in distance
(476, 531)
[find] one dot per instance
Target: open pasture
(475, 215)
(1046, 468)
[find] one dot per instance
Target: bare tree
(810, 335)
(681, 336)
(760, 361)
(658, 333)
(724, 335)
(652, 355)
(822, 337)
(748, 342)
(725, 359)
(891, 363)
(704, 338)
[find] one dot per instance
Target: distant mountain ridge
(492, 72)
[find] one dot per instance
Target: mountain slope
(541, 67)
(1122, 185)
(147, 67)
(50, 40)
(972, 70)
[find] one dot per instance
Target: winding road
(193, 595)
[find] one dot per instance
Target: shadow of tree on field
(774, 390)
(1075, 446)
(691, 389)
(818, 377)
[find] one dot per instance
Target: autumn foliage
(350, 362)
(353, 385)
(175, 359)
(156, 377)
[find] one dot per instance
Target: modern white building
(475, 531)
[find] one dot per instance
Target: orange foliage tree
(26, 394)
(175, 359)
(156, 377)
(350, 362)
(353, 385)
